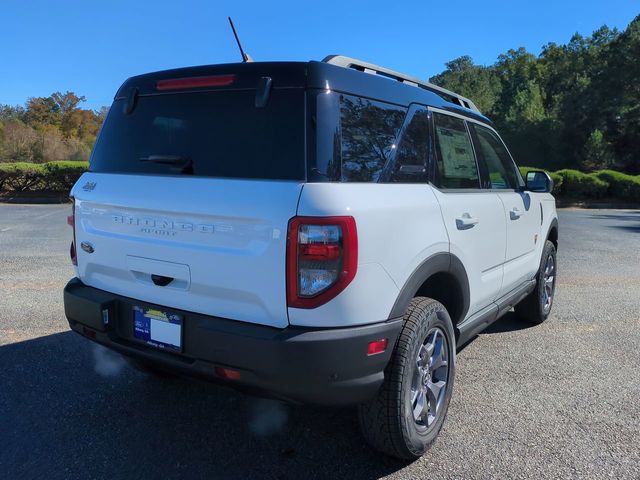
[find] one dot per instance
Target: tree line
(48, 129)
(573, 106)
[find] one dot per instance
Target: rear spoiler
(230, 76)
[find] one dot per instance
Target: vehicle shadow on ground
(61, 419)
(627, 216)
(510, 322)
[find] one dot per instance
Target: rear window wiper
(165, 159)
(184, 164)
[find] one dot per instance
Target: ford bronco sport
(320, 232)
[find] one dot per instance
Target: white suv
(320, 232)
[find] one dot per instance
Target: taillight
(322, 258)
(71, 221)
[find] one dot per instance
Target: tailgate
(220, 243)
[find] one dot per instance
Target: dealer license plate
(157, 328)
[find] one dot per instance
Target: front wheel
(536, 306)
(405, 417)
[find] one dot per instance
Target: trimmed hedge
(576, 184)
(33, 177)
(621, 185)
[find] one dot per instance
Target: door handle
(466, 221)
(161, 280)
(515, 213)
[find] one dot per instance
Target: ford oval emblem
(87, 247)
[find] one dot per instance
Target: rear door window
(210, 134)
(456, 162)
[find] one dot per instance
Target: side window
(456, 162)
(410, 165)
(500, 168)
(326, 163)
(369, 132)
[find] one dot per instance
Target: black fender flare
(437, 263)
(552, 225)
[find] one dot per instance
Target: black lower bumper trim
(308, 365)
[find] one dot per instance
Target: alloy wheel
(549, 279)
(429, 383)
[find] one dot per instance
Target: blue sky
(90, 47)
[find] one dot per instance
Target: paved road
(561, 400)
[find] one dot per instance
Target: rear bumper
(306, 365)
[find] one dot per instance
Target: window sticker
(457, 156)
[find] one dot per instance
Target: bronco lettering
(151, 225)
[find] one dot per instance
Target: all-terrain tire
(536, 307)
(387, 421)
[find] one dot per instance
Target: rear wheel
(536, 307)
(405, 417)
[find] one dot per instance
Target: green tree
(527, 105)
(620, 87)
(597, 153)
(574, 103)
(481, 84)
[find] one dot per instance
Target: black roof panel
(317, 75)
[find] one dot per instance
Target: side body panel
(399, 226)
(523, 221)
(525, 239)
(481, 245)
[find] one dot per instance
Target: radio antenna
(245, 57)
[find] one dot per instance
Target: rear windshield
(209, 134)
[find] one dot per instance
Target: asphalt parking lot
(559, 400)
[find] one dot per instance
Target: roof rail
(348, 62)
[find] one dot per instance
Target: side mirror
(539, 181)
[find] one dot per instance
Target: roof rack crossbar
(348, 62)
